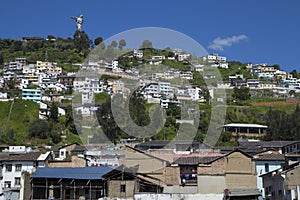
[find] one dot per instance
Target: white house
(88, 84)
(16, 170)
(3, 95)
(45, 111)
(183, 56)
(138, 53)
(266, 162)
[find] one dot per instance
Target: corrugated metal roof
(245, 125)
(83, 173)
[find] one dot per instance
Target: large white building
(87, 84)
(16, 167)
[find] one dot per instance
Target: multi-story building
(16, 168)
(214, 58)
(138, 53)
(67, 81)
(266, 161)
(22, 60)
(164, 88)
(32, 95)
(30, 74)
(12, 66)
(253, 83)
(87, 84)
(183, 56)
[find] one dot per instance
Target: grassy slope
(23, 113)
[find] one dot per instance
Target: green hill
(15, 127)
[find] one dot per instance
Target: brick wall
(172, 176)
(215, 168)
(75, 162)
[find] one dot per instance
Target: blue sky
(248, 31)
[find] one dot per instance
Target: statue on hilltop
(79, 22)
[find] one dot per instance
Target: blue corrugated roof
(86, 173)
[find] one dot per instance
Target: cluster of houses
(41, 80)
(268, 77)
(152, 170)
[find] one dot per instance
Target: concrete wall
(239, 163)
(240, 171)
(211, 184)
(235, 170)
(242, 181)
(292, 179)
(175, 189)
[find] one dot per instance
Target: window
(17, 181)
(266, 167)
(8, 167)
(7, 184)
(18, 167)
(123, 188)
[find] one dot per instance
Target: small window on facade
(7, 184)
(8, 167)
(123, 188)
(18, 167)
(17, 181)
(266, 167)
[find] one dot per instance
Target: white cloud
(219, 43)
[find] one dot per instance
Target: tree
(294, 73)
(122, 43)
(69, 123)
(17, 45)
(107, 122)
(147, 44)
(294, 125)
(242, 93)
(81, 41)
(205, 93)
(39, 128)
(1, 59)
(51, 38)
(137, 108)
(98, 40)
(53, 112)
(113, 44)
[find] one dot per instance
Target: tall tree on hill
(147, 44)
(107, 122)
(39, 128)
(53, 112)
(122, 43)
(113, 44)
(242, 93)
(294, 124)
(81, 41)
(1, 59)
(294, 73)
(278, 125)
(98, 40)
(137, 108)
